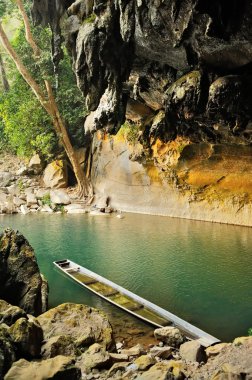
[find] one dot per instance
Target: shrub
(46, 199)
(129, 132)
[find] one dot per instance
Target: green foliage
(129, 132)
(27, 127)
(23, 122)
(6, 7)
(60, 208)
(46, 200)
(20, 185)
(90, 19)
(4, 145)
(70, 101)
(250, 331)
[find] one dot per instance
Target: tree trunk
(5, 82)
(49, 104)
(84, 185)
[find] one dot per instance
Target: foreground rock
(95, 357)
(7, 351)
(170, 335)
(20, 278)
(60, 368)
(192, 352)
(234, 361)
(9, 314)
(59, 345)
(83, 324)
(27, 335)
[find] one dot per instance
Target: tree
(3, 75)
(47, 100)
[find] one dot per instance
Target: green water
(199, 271)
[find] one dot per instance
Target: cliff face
(180, 72)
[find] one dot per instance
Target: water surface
(199, 271)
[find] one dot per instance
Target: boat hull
(130, 302)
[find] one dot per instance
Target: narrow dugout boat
(130, 302)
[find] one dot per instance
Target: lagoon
(197, 270)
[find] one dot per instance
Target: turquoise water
(199, 271)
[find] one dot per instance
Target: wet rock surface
(20, 278)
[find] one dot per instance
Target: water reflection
(199, 271)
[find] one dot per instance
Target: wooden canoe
(130, 302)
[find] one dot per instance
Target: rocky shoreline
(32, 187)
(73, 341)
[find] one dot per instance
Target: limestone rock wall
(173, 73)
(193, 181)
(190, 58)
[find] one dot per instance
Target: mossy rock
(84, 324)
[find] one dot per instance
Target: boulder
(5, 178)
(118, 369)
(18, 201)
(95, 357)
(35, 164)
(31, 199)
(170, 335)
(159, 371)
(10, 314)
(84, 324)
(14, 189)
(58, 345)
(22, 171)
(55, 175)
(216, 349)
(41, 193)
(27, 336)
(192, 352)
(3, 202)
(118, 357)
(133, 351)
(77, 211)
(229, 372)
(45, 208)
(232, 362)
(74, 208)
(20, 278)
(243, 340)
(7, 351)
(59, 197)
(10, 207)
(144, 362)
(161, 352)
(165, 370)
(24, 209)
(60, 368)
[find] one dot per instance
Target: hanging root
(85, 192)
